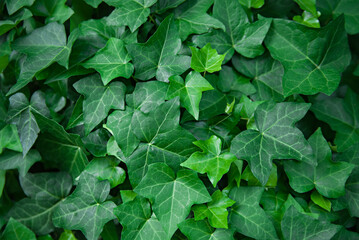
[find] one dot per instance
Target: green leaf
(341, 115)
(211, 160)
(276, 138)
(296, 225)
(96, 142)
(201, 230)
(9, 138)
(172, 196)
(46, 191)
(131, 13)
(191, 17)
(21, 114)
(106, 169)
(99, 99)
(76, 118)
(111, 62)
(248, 176)
(14, 5)
(17, 231)
(67, 235)
(12, 160)
(86, 209)
(189, 91)
(247, 217)
(252, 3)
(307, 5)
(321, 67)
(138, 222)
(55, 11)
(93, 3)
(240, 35)
(11, 22)
(163, 5)
(321, 201)
(327, 177)
(206, 59)
(215, 211)
(158, 57)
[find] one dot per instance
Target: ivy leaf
(131, 13)
(138, 222)
(13, 5)
(342, 116)
(215, 211)
(206, 59)
(86, 209)
(146, 97)
(296, 225)
(163, 140)
(11, 160)
(321, 201)
(112, 61)
(172, 196)
(321, 68)
(17, 231)
(240, 35)
(93, 3)
(247, 216)
(158, 57)
(9, 138)
(46, 191)
(99, 99)
(327, 177)
(21, 114)
(189, 91)
(11, 22)
(191, 17)
(210, 161)
(55, 11)
(195, 230)
(163, 5)
(106, 169)
(252, 3)
(276, 138)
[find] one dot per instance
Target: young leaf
(327, 177)
(9, 138)
(211, 160)
(189, 91)
(321, 201)
(158, 57)
(320, 68)
(206, 59)
(195, 230)
(17, 231)
(215, 211)
(111, 62)
(86, 209)
(99, 99)
(247, 216)
(276, 138)
(172, 196)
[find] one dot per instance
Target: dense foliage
(179, 119)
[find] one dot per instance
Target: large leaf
(172, 196)
(276, 138)
(321, 55)
(158, 57)
(99, 99)
(86, 209)
(327, 177)
(14, 5)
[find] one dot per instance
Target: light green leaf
(276, 138)
(172, 196)
(296, 225)
(158, 57)
(21, 114)
(93, 3)
(307, 5)
(12, 160)
(67, 235)
(189, 91)
(138, 222)
(247, 217)
(191, 17)
(321, 201)
(9, 138)
(248, 176)
(252, 3)
(111, 62)
(211, 160)
(320, 68)
(215, 211)
(11, 22)
(106, 169)
(17, 231)
(14, 5)
(327, 177)
(54, 11)
(99, 99)
(86, 209)
(131, 13)
(206, 59)
(201, 230)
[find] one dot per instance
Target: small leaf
(206, 59)
(9, 139)
(12, 160)
(16, 231)
(321, 201)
